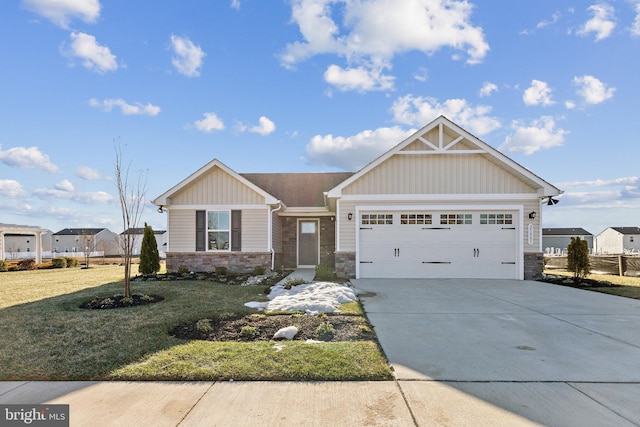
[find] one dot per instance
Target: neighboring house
(138, 234)
(556, 240)
(73, 240)
(13, 236)
(23, 245)
(618, 240)
(441, 203)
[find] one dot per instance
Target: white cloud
(628, 180)
(265, 127)
(210, 123)
(422, 75)
(602, 23)
(360, 79)
(368, 43)
(538, 93)
(235, 4)
(418, 111)
(187, 57)
(64, 185)
(592, 90)
(90, 174)
(94, 197)
(539, 134)
(487, 89)
(61, 12)
(137, 108)
(353, 152)
(64, 193)
(27, 158)
(11, 188)
(635, 28)
(94, 56)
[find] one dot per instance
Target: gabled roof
(565, 232)
(627, 230)
(471, 145)
(141, 231)
(78, 231)
(298, 189)
(164, 199)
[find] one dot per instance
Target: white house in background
(23, 245)
(558, 239)
(138, 234)
(13, 236)
(74, 240)
(618, 240)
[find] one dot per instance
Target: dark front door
(308, 242)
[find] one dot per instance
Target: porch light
(552, 201)
(532, 215)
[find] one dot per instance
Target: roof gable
(444, 138)
(78, 231)
(165, 198)
(565, 232)
(627, 230)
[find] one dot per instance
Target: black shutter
(236, 230)
(201, 230)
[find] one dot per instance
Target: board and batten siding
(217, 187)
(348, 229)
(438, 174)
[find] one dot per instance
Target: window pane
(218, 220)
(308, 228)
(218, 240)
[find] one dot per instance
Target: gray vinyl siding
(255, 230)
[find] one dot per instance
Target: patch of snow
(289, 332)
(257, 305)
(312, 298)
(310, 341)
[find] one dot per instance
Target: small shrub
(578, 258)
(183, 270)
(221, 271)
(4, 266)
(146, 298)
(72, 262)
(126, 301)
(59, 263)
(249, 331)
(324, 272)
(325, 330)
(364, 329)
(204, 326)
(258, 270)
(293, 281)
(27, 264)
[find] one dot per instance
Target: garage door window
(455, 219)
(415, 219)
(377, 219)
(496, 218)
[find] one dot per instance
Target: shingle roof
(78, 231)
(627, 230)
(298, 189)
(565, 232)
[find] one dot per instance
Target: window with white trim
(377, 219)
(496, 218)
(415, 218)
(455, 218)
(218, 230)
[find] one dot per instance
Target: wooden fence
(617, 265)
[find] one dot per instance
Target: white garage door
(438, 244)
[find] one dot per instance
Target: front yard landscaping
(623, 286)
(45, 335)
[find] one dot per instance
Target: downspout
(270, 234)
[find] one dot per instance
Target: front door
(308, 242)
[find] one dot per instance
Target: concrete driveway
(550, 354)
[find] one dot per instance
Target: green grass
(628, 287)
(45, 336)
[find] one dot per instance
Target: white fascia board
(437, 197)
(443, 207)
(218, 207)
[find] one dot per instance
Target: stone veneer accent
(346, 264)
(533, 265)
(239, 262)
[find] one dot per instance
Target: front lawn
(623, 286)
(44, 335)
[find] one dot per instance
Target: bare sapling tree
(131, 205)
(89, 245)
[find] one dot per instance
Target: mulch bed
(576, 282)
(345, 328)
(116, 301)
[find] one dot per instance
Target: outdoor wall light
(349, 216)
(532, 215)
(552, 201)
(160, 209)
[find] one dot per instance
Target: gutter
(270, 234)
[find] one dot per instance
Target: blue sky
(310, 85)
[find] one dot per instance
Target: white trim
(476, 208)
(337, 227)
(440, 151)
(439, 197)
(317, 221)
(218, 207)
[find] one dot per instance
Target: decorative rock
(289, 332)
